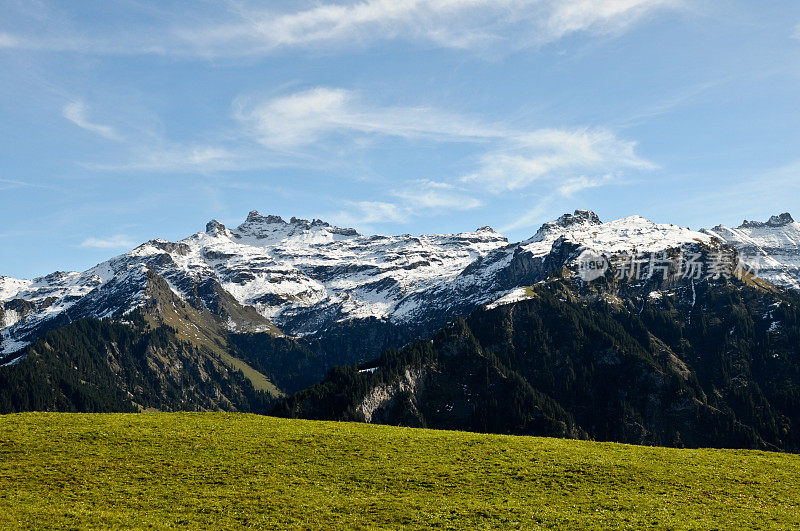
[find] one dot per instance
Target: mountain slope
(165, 354)
(707, 364)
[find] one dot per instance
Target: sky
(123, 121)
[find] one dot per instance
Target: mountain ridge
(309, 276)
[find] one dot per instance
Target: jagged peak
(579, 217)
(305, 224)
(256, 217)
(774, 221)
(255, 220)
(215, 228)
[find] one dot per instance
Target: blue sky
(124, 121)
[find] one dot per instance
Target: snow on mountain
(9, 287)
(771, 248)
(633, 234)
(284, 269)
(302, 275)
(309, 276)
(500, 276)
(515, 295)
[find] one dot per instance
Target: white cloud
(182, 158)
(305, 117)
(118, 241)
(530, 217)
(297, 128)
(241, 28)
(76, 112)
(570, 16)
(554, 154)
(577, 184)
(8, 41)
(513, 159)
(361, 214)
(458, 24)
(9, 184)
(566, 189)
(431, 195)
(174, 158)
(415, 198)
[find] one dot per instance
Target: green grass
(215, 470)
(258, 380)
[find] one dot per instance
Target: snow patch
(515, 295)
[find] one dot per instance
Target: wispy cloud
(309, 116)
(199, 158)
(555, 154)
(77, 113)
(118, 241)
(8, 184)
(149, 151)
(575, 185)
(363, 214)
(319, 124)
(513, 159)
(457, 24)
(429, 195)
(569, 188)
(7, 41)
(753, 194)
(414, 198)
(569, 16)
(237, 29)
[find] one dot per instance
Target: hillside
(707, 364)
(221, 470)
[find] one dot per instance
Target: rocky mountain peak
(566, 221)
(780, 220)
(256, 217)
(305, 224)
(579, 217)
(774, 221)
(215, 228)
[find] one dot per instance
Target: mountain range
(258, 317)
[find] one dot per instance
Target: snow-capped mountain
(633, 234)
(308, 276)
(771, 247)
(502, 275)
(303, 275)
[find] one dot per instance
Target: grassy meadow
(218, 470)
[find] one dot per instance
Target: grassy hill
(235, 470)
